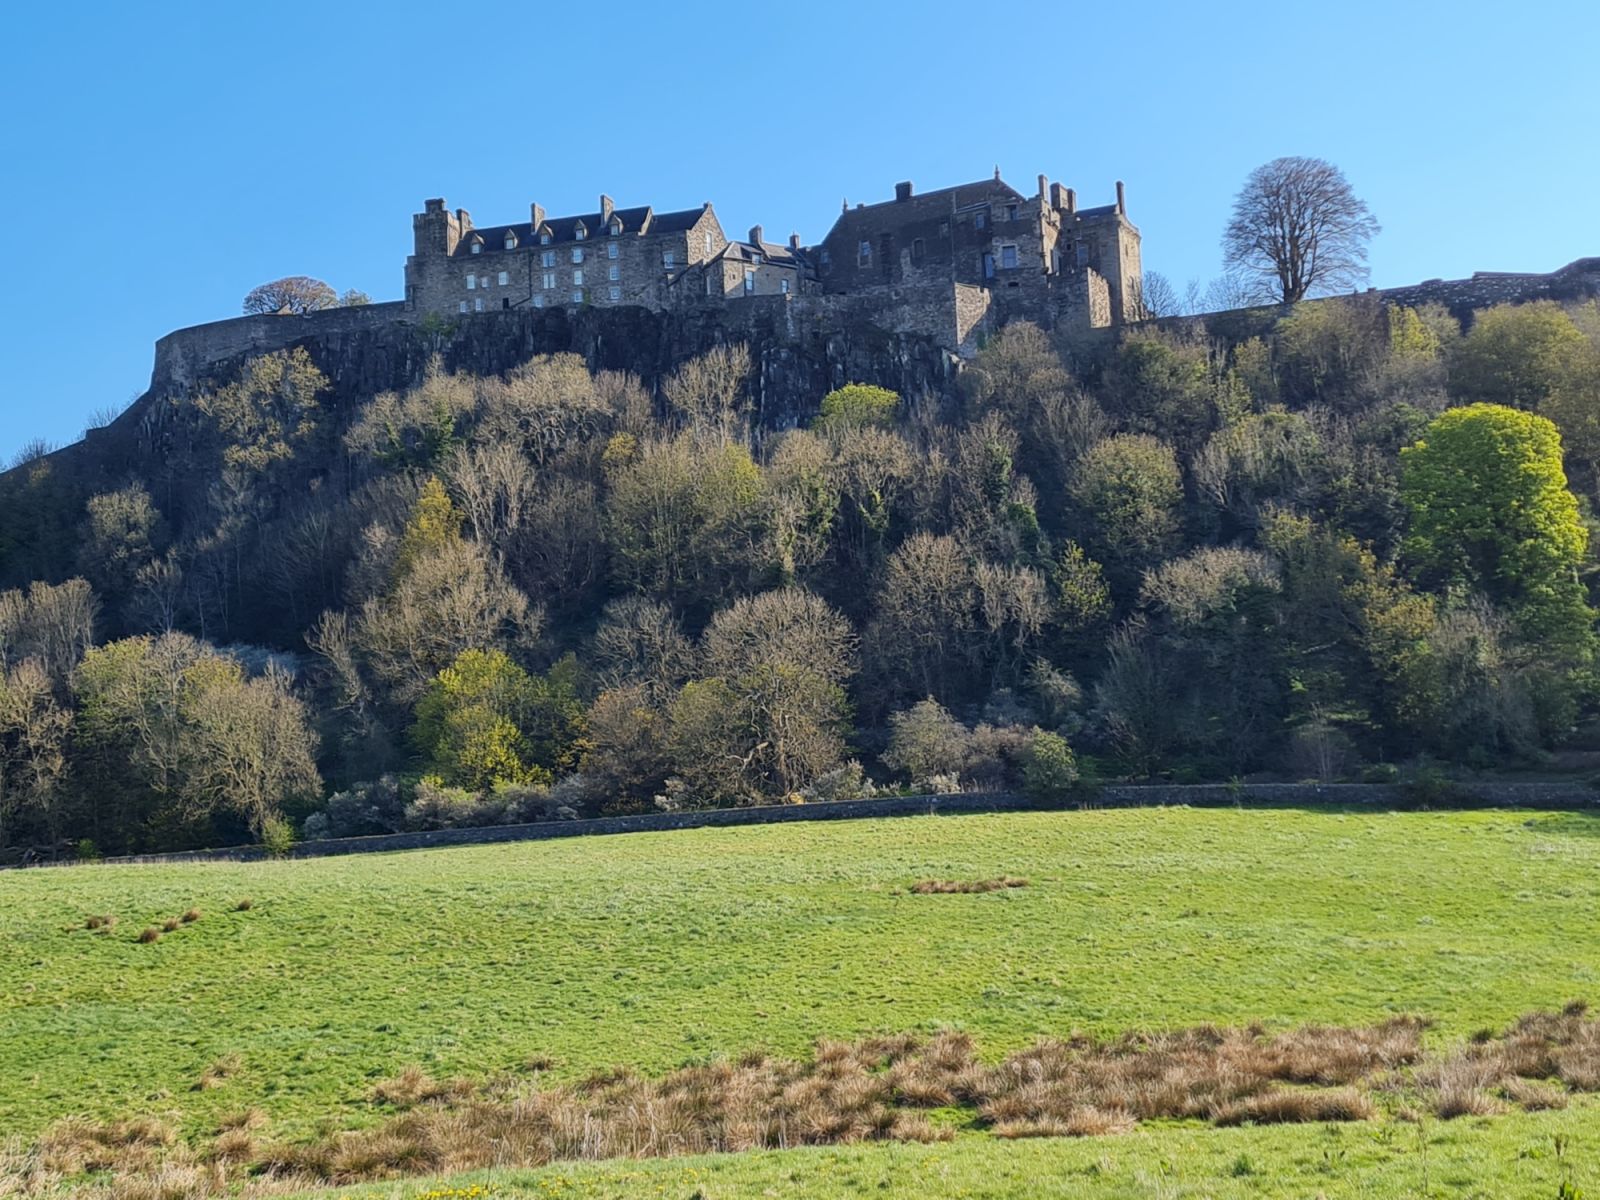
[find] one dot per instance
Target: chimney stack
(1072, 201)
(902, 190)
(1044, 187)
(1058, 196)
(606, 208)
(794, 241)
(536, 215)
(755, 236)
(1122, 200)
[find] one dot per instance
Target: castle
(949, 263)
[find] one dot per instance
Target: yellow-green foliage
(434, 522)
(1517, 355)
(1490, 510)
(468, 722)
(1410, 338)
(856, 406)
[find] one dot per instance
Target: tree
(33, 735)
(1518, 355)
(1159, 297)
(1298, 229)
(1131, 488)
(353, 298)
(469, 722)
(856, 406)
(270, 411)
(294, 294)
(1490, 511)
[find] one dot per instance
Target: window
(472, 282)
(988, 266)
(979, 219)
(756, 258)
(827, 259)
(538, 301)
(614, 272)
(1008, 256)
(616, 293)
(1011, 212)
(944, 228)
(864, 254)
(611, 249)
(577, 296)
(511, 240)
(477, 305)
(577, 254)
(616, 228)
(1083, 254)
(550, 280)
(580, 233)
(669, 259)
(708, 241)
(544, 239)
(463, 306)
(783, 286)
(547, 258)
(505, 278)
(477, 247)
(749, 283)
(505, 302)
(918, 252)
(710, 285)
(577, 277)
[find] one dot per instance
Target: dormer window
(756, 258)
(616, 228)
(511, 240)
(544, 238)
(580, 232)
(477, 247)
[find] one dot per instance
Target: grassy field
(655, 950)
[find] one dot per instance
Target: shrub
(846, 782)
(104, 922)
(926, 742)
(190, 917)
(86, 851)
(376, 806)
(150, 934)
(277, 837)
(1049, 769)
(171, 925)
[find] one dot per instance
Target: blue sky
(159, 160)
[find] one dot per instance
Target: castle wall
(1578, 280)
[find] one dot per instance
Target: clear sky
(159, 160)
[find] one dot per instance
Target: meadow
(653, 951)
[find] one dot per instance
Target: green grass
(657, 949)
(1503, 1158)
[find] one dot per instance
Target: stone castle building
(949, 263)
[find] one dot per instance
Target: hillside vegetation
(1331, 544)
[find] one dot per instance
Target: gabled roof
(923, 205)
(776, 255)
(596, 225)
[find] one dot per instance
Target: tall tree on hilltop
(1298, 229)
(294, 294)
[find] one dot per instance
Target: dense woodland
(1336, 542)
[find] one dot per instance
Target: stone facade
(611, 256)
(947, 263)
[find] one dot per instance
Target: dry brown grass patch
(75, 1144)
(150, 934)
(191, 916)
(219, 1072)
(244, 905)
(1282, 1106)
(104, 921)
(415, 1086)
(1535, 1097)
(949, 887)
(171, 925)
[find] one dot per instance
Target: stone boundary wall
(1578, 280)
(184, 354)
(1378, 796)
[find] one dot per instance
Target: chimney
(606, 208)
(536, 215)
(755, 236)
(464, 218)
(1072, 201)
(902, 190)
(794, 241)
(1122, 200)
(433, 206)
(1044, 187)
(1058, 196)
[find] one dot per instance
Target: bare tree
(1298, 228)
(293, 294)
(1160, 297)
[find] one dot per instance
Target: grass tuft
(105, 922)
(219, 1072)
(149, 934)
(190, 917)
(949, 887)
(244, 905)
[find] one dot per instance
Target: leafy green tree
(1049, 768)
(469, 724)
(1130, 487)
(270, 411)
(1490, 512)
(434, 524)
(857, 406)
(1517, 355)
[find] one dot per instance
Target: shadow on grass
(1572, 824)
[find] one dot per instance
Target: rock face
(380, 347)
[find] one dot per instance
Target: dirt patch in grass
(963, 887)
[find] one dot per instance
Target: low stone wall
(1570, 796)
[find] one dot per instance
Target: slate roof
(564, 229)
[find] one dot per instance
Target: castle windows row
(578, 296)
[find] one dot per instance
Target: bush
(277, 837)
(376, 806)
(1049, 768)
(86, 851)
(847, 782)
